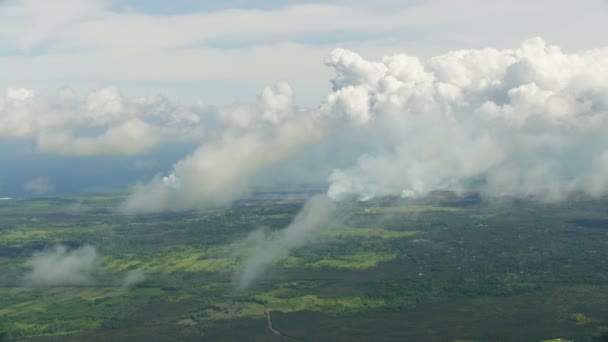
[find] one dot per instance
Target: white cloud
(120, 30)
(62, 267)
(73, 24)
(27, 23)
(129, 138)
(523, 122)
(39, 185)
(62, 124)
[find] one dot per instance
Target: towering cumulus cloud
(523, 122)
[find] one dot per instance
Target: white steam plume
(251, 139)
(62, 267)
(519, 122)
(132, 279)
(261, 249)
(524, 122)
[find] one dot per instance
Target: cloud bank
(62, 267)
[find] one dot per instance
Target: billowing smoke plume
(62, 267)
(261, 249)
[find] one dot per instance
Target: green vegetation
(178, 258)
(391, 270)
(407, 209)
(361, 260)
(23, 235)
(358, 232)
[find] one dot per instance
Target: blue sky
(156, 73)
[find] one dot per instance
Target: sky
(152, 97)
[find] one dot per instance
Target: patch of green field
(24, 302)
(54, 328)
(362, 260)
(276, 300)
(23, 235)
(24, 308)
(358, 261)
(121, 263)
(175, 259)
(408, 209)
(51, 312)
(280, 300)
(28, 312)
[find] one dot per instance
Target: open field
(429, 271)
